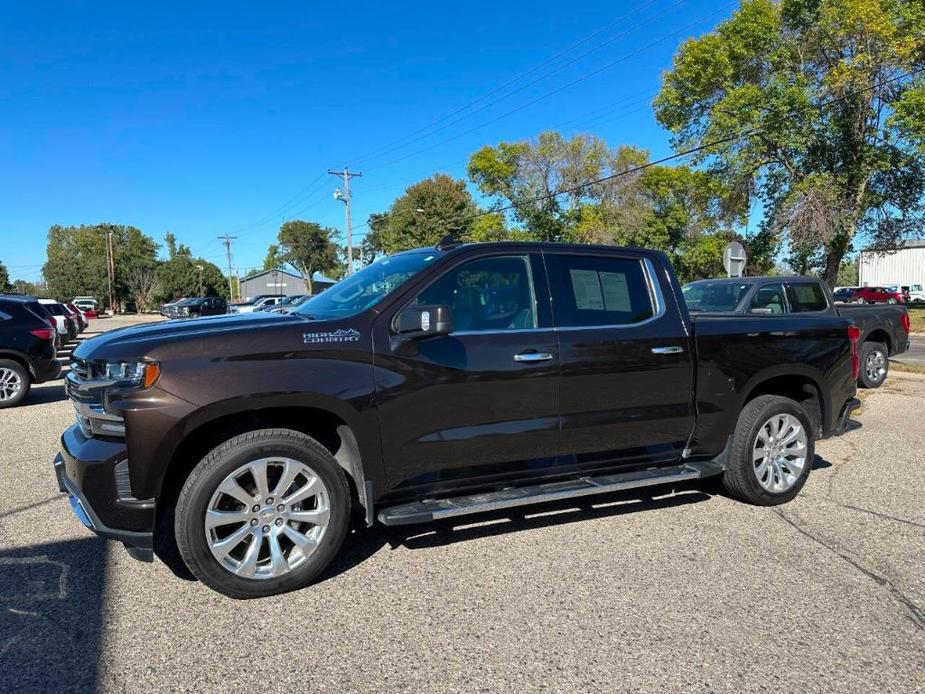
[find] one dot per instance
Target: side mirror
(416, 322)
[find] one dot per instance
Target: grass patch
(908, 368)
(917, 319)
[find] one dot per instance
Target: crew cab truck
(884, 328)
(436, 383)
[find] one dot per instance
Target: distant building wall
(265, 283)
(904, 266)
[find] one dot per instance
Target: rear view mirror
(415, 322)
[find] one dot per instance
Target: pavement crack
(885, 516)
(913, 612)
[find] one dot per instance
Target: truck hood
(135, 342)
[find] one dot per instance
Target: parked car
(884, 329)
(877, 295)
(27, 348)
(170, 307)
(88, 305)
(256, 304)
(843, 295)
(436, 383)
(206, 306)
(915, 293)
(282, 303)
(78, 316)
(64, 322)
(284, 307)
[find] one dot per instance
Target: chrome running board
(434, 509)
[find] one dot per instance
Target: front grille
(87, 391)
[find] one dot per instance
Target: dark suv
(201, 306)
(436, 383)
(27, 348)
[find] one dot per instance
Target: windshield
(713, 296)
(366, 288)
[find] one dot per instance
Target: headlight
(141, 374)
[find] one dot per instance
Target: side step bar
(434, 509)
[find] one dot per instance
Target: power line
(563, 87)
(383, 151)
(511, 81)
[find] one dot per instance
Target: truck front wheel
(772, 451)
(263, 513)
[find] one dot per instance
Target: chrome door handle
(673, 349)
(531, 357)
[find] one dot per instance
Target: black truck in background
(884, 328)
(437, 383)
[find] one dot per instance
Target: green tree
(424, 214)
(31, 288)
(528, 175)
(179, 274)
(308, 247)
(835, 142)
(272, 258)
(77, 260)
(5, 285)
(848, 274)
(371, 246)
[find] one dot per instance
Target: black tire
(208, 475)
(15, 370)
(871, 351)
(740, 479)
(891, 300)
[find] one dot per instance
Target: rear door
(625, 389)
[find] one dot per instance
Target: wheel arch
(880, 335)
(329, 428)
(801, 387)
(19, 358)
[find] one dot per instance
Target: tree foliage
(308, 247)
(5, 285)
(425, 213)
(834, 141)
(77, 260)
(179, 276)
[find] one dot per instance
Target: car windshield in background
(713, 296)
(366, 288)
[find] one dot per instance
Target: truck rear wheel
(875, 363)
(264, 513)
(772, 451)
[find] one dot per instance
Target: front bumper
(86, 472)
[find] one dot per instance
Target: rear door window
(768, 299)
(599, 291)
(805, 297)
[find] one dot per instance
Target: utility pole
(110, 269)
(200, 268)
(226, 239)
(346, 174)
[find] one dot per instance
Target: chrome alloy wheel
(10, 384)
(875, 366)
(267, 517)
(779, 453)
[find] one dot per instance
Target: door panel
(625, 364)
(459, 410)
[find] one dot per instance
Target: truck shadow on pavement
(51, 599)
(362, 542)
(44, 395)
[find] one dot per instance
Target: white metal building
(904, 266)
(279, 281)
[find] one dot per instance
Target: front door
(478, 405)
(626, 379)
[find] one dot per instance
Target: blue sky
(206, 118)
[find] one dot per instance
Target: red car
(876, 295)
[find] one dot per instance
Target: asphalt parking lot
(684, 591)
